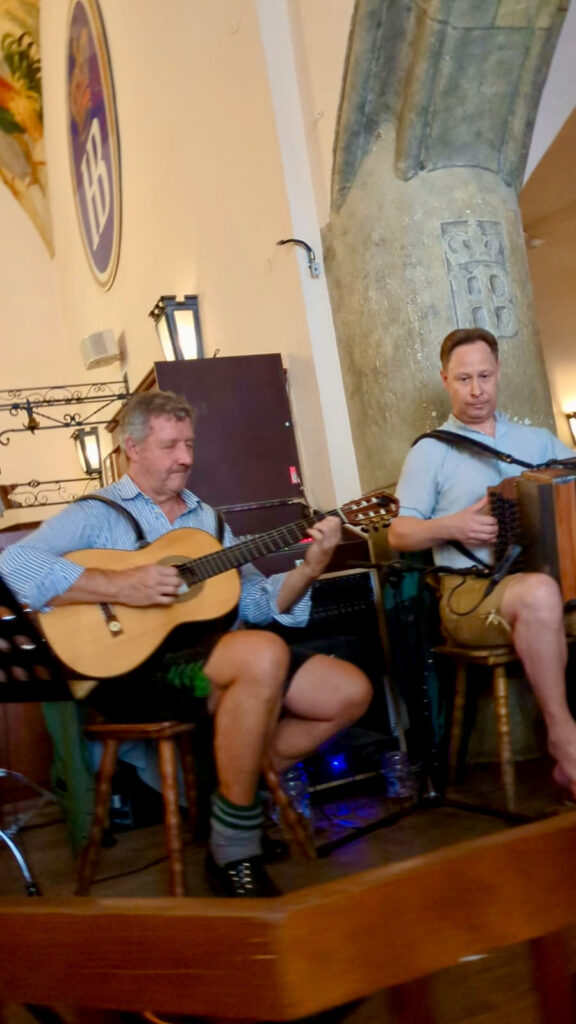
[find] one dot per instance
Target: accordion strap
(463, 441)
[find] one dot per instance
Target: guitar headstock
(377, 508)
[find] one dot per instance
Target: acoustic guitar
(101, 640)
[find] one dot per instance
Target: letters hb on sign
(96, 182)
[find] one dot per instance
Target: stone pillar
(438, 106)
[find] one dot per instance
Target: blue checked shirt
(35, 570)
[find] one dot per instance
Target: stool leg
(293, 823)
(500, 685)
(189, 774)
(457, 718)
(172, 820)
(91, 852)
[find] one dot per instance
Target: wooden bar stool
(170, 737)
(294, 825)
(496, 659)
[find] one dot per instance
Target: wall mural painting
(22, 156)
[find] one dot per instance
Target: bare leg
(247, 670)
(532, 604)
(325, 696)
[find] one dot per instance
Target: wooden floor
(491, 990)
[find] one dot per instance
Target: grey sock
(235, 830)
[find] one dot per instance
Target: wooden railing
(316, 948)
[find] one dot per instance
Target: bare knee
(355, 690)
(251, 658)
(534, 599)
(330, 689)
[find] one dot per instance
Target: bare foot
(562, 746)
(560, 776)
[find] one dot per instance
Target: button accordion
(538, 511)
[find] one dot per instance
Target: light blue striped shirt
(35, 570)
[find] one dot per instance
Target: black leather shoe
(240, 877)
(273, 849)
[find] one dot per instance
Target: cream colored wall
(204, 198)
(320, 32)
(548, 207)
(33, 347)
(548, 203)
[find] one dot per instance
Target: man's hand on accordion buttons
(473, 526)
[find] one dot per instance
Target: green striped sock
(235, 830)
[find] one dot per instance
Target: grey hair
(134, 419)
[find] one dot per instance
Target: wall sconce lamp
(178, 326)
(88, 450)
(571, 417)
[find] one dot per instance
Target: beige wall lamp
(88, 449)
(178, 326)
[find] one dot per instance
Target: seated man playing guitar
(265, 700)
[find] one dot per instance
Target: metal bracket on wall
(32, 403)
(40, 493)
(313, 265)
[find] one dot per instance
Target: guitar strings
(216, 562)
(229, 558)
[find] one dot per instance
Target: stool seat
(171, 737)
(138, 731)
(495, 658)
(480, 655)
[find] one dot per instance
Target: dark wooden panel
(246, 450)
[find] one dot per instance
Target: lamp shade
(88, 448)
(178, 326)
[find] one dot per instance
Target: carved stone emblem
(477, 266)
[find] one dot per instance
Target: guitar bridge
(111, 620)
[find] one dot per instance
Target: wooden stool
(168, 736)
(495, 658)
(294, 825)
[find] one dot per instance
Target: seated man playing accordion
(444, 506)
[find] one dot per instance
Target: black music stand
(28, 672)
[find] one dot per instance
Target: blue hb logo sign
(93, 136)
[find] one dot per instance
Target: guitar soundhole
(189, 593)
(190, 589)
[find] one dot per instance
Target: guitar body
(81, 636)
(103, 640)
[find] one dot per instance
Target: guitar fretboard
(253, 547)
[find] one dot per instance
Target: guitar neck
(245, 551)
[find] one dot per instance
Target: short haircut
(466, 336)
(134, 419)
